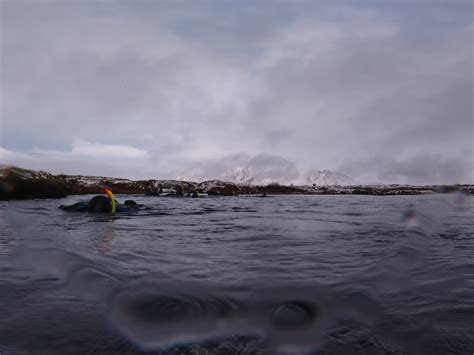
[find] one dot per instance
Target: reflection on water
(105, 241)
(301, 274)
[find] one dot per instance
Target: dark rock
(225, 190)
(362, 191)
(179, 190)
(17, 183)
(283, 189)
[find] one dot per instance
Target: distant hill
(17, 183)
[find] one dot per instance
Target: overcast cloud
(381, 91)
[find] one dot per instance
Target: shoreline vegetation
(17, 183)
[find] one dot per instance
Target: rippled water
(240, 275)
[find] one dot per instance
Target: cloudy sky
(378, 90)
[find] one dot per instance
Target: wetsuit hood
(100, 204)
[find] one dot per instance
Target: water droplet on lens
(294, 315)
(160, 308)
(409, 216)
(158, 320)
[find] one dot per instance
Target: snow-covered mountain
(239, 175)
(263, 176)
(326, 177)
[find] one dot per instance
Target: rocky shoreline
(18, 183)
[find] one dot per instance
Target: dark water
(240, 275)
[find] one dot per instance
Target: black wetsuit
(100, 204)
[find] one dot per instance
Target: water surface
(240, 275)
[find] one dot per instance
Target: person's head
(100, 204)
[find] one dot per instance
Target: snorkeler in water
(102, 204)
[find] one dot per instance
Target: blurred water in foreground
(240, 275)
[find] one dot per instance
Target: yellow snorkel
(112, 198)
